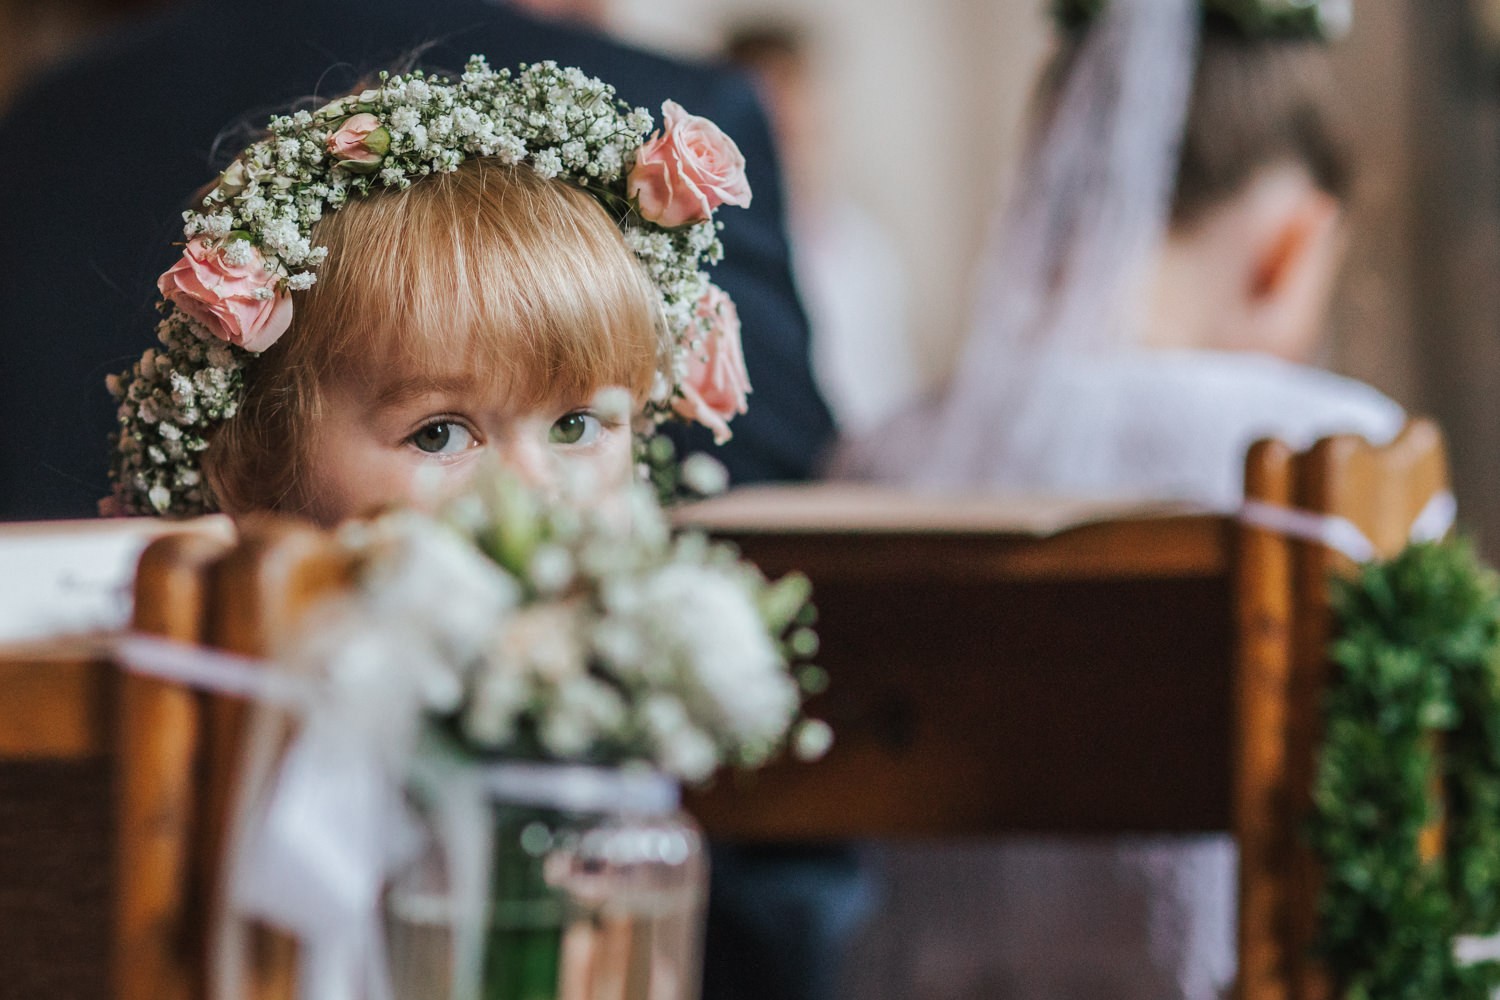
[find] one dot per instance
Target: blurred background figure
(929, 104)
(849, 270)
(1162, 277)
(1150, 303)
(39, 33)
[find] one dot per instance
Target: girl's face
(414, 442)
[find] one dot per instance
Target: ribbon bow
(321, 828)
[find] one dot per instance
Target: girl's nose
(525, 454)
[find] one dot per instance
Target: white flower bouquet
(556, 632)
(489, 729)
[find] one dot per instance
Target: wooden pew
(178, 750)
(988, 681)
(58, 706)
(1140, 675)
(1152, 672)
(1284, 621)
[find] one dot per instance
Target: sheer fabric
(1064, 273)
(1152, 425)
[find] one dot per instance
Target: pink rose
(684, 172)
(716, 385)
(360, 143)
(227, 297)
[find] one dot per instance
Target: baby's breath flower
(812, 739)
(704, 474)
(217, 225)
(238, 253)
(548, 163)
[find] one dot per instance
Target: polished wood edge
(1200, 545)
(159, 943)
(1264, 609)
(55, 708)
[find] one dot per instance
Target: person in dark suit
(93, 179)
(92, 185)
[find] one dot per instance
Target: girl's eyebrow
(405, 389)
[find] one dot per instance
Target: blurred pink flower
(717, 382)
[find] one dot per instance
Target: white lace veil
(1067, 265)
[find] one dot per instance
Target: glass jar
(597, 891)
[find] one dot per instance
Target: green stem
(523, 952)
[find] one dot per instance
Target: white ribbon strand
(1470, 949)
(212, 670)
(1342, 535)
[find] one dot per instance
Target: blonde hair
(491, 268)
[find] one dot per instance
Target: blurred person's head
(1256, 235)
(589, 13)
(776, 56)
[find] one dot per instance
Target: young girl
(389, 287)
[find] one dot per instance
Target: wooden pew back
(178, 750)
(1284, 624)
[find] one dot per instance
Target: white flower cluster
(672, 259)
(690, 637)
(565, 123)
(169, 401)
(559, 632)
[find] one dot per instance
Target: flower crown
(1324, 20)
(249, 244)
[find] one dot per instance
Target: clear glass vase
(597, 891)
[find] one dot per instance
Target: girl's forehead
(514, 387)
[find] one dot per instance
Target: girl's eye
(577, 428)
(442, 437)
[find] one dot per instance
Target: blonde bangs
(491, 271)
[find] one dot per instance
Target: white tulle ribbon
(322, 823)
(212, 670)
(1342, 535)
(1471, 949)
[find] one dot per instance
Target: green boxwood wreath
(1415, 686)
